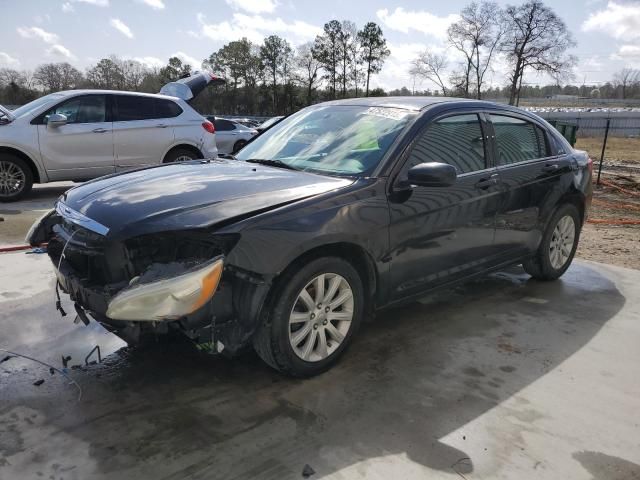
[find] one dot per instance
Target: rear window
(133, 107)
(224, 125)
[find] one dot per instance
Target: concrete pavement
(503, 378)
(17, 217)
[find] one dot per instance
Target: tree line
(527, 37)
(275, 77)
(270, 78)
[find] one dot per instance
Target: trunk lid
(189, 87)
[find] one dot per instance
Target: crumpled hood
(190, 195)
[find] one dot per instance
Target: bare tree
(308, 69)
(430, 66)
(626, 79)
(476, 35)
(9, 76)
(54, 77)
(535, 38)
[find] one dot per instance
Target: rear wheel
(239, 145)
(558, 246)
(181, 155)
(16, 178)
(314, 315)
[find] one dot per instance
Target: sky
(81, 32)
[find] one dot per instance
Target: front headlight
(168, 299)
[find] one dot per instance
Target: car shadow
(413, 377)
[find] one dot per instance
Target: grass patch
(619, 149)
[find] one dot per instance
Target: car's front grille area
(85, 253)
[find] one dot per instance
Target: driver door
(83, 147)
(440, 234)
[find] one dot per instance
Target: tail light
(208, 126)
(590, 165)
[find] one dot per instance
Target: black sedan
(338, 210)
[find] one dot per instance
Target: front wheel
(16, 178)
(315, 312)
(558, 245)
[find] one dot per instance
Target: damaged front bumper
(178, 278)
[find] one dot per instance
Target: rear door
(142, 129)
(226, 135)
(83, 148)
(529, 173)
(441, 234)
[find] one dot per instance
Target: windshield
(36, 104)
(332, 139)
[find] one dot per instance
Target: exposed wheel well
(23, 156)
(185, 146)
(574, 199)
(349, 252)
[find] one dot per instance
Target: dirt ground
(612, 232)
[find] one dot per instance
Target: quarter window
(517, 140)
(456, 140)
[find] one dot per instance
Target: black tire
(176, 153)
(540, 266)
(12, 165)
(239, 145)
(271, 340)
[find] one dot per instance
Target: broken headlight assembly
(163, 295)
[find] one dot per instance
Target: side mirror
(56, 120)
(432, 174)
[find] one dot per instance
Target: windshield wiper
(271, 163)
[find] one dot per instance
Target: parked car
(247, 122)
(231, 136)
(84, 134)
(268, 123)
(340, 209)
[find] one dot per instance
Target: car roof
(419, 103)
(408, 103)
(86, 91)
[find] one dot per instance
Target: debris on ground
(307, 471)
(65, 360)
(612, 232)
(37, 383)
(5, 359)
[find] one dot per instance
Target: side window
(134, 107)
(85, 109)
(456, 140)
(224, 125)
(167, 109)
(517, 140)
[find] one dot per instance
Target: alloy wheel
(321, 317)
(561, 243)
(12, 179)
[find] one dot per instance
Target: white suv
(83, 134)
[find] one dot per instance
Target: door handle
(99, 130)
(485, 183)
(551, 167)
(161, 125)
